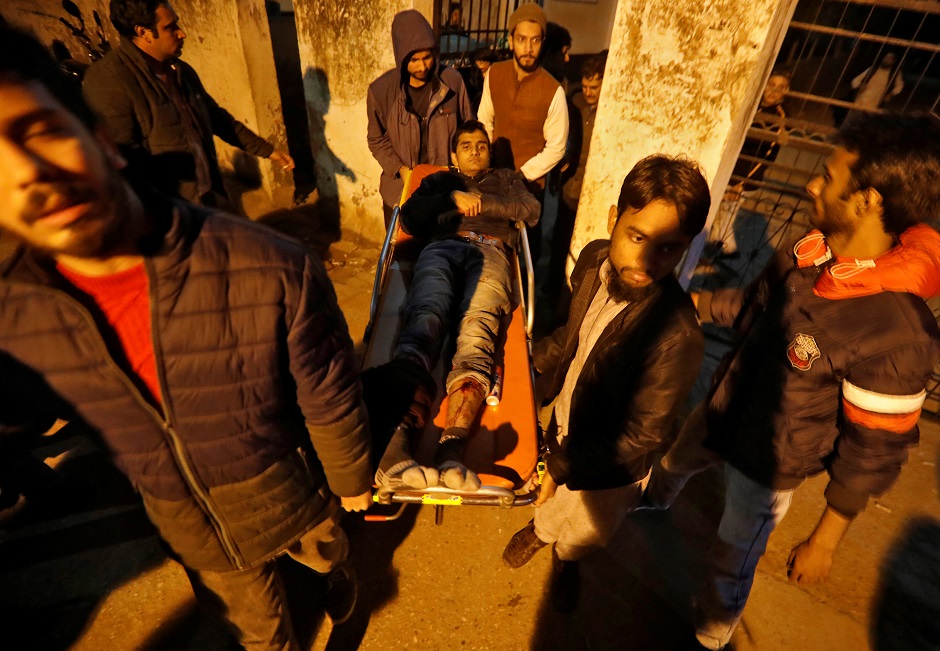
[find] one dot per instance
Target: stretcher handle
(530, 279)
(385, 258)
(386, 518)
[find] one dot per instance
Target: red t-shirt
(124, 300)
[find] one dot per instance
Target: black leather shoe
(522, 547)
(566, 584)
(342, 589)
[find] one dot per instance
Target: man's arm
(377, 136)
(724, 307)
(858, 80)
(517, 205)
(881, 404)
(234, 132)
(555, 132)
(486, 113)
(463, 104)
(431, 211)
(898, 85)
(323, 365)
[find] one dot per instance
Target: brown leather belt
(470, 236)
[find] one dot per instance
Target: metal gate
(466, 26)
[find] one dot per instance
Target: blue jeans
(752, 511)
(475, 279)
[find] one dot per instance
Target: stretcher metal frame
(488, 495)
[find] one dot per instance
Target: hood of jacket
(913, 266)
(411, 32)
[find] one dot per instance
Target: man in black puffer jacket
(157, 111)
(612, 380)
(208, 354)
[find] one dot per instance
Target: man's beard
(529, 68)
(621, 291)
(113, 200)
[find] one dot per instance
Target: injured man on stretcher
(467, 217)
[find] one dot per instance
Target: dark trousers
(253, 601)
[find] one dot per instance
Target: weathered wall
(43, 18)
(229, 45)
(682, 78)
(589, 24)
(344, 46)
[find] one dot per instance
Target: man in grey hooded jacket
(415, 108)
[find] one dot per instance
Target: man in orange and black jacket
(836, 344)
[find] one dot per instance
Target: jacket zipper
(199, 492)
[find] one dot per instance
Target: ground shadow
(637, 593)
(59, 563)
(906, 609)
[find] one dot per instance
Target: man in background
(158, 112)
(414, 109)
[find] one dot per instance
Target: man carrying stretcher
(466, 215)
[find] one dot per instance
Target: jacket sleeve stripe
(896, 423)
(882, 403)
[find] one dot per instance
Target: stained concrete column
(682, 78)
(344, 46)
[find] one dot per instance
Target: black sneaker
(522, 547)
(565, 588)
(341, 591)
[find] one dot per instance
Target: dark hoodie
(395, 131)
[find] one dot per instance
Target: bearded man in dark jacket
(207, 353)
(836, 345)
(613, 378)
(157, 111)
(415, 108)
(468, 217)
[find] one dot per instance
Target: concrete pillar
(228, 43)
(682, 78)
(344, 46)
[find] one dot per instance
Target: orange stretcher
(504, 449)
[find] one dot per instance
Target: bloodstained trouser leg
(752, 511)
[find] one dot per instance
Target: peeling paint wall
(43, 18)
(682, 78)
(229, 45)
(344, 46)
